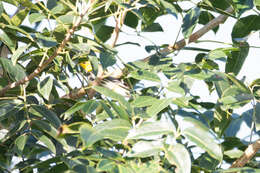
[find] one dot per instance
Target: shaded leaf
(45, 87)
(244, 26)
(45, 140)
(154, 27)
(107, 59)
(189, 21)
(236, 60)
(48, 114)
(19, 143)
(16, 72)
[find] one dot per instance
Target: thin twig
(40, 68)
(177, 46)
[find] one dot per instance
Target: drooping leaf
(121, 112)
(44, 41)
(257, 116)
(116, 130)
(202, 137)
(45, 87)
(9, 107)
(189, 22)
(179, 156)
(10, 43)
(236, 60)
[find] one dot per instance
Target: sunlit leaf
(145, 149)
(202, 137)
(20, 143)
(158, 106)
(16, 72)
(116, 130)
(179, 156)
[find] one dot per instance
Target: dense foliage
(113, 122)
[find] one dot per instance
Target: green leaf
(109, 93)
(116, 130)
(9, 107)
(88, 107)
(179, 156)
(10, 43)
(16, 72)
(189, 22)
(243, 5)
(52, 131)
(238, 83)
(221, 83)
(143, 101)
(18, 52)
(45, 140)
(19, 143)
(48, 114)
(106, 165)
(154, 27)
(256, 116)
(107, 59)
(198, 133)
(51, 4)
(102, 31)
(45, 87)
(144, 75)
(150, 130)
(158, 106)
(234, 153)
(45, 41)
(19, 17)
(131, 20)
(234, 97)
(67, 19)
(174, 86)
(36, 17)
(244, 26)
(1, 8)
(121, 112)
(20, 30)
(237, 58)
(170, 8)
(145, 149)
(205, 17)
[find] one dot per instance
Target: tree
(111, 123)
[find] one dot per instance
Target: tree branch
(178, 45)
(41, 67)
(249, 153)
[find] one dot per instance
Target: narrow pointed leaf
(158, 106)
(45, 87)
